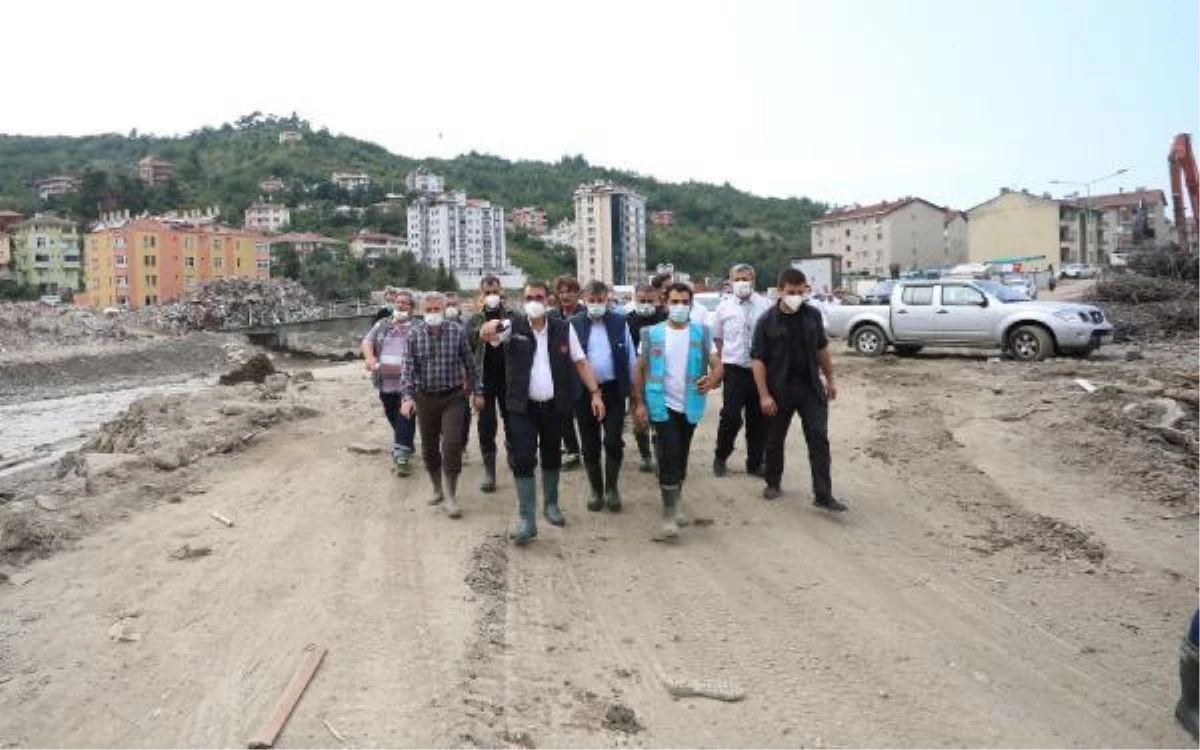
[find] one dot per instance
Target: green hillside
(223, 167)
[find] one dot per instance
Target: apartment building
(56, 185)
(304, 243)
(905, 234)
(562, 235)
(464, 234)
(5, 255)
(1038, 229)
(8, 218)
(155, 171)
(272, 185)
(956, 239)
(421, 180)
(46, 254)
(610, 234)
(149, 261)
(351, 180)
(1120, 214)
(375, 245)
(290, 137)
(532, 218)
(664, 218)
(267, 217)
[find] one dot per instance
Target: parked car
(1023, 284)
(1078, 271)
(971, 313)
(880, 293)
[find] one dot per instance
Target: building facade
(875, 240)
(271, 185)
(374, 245)
(150, 261)
(421, 180)
(956, 238)
(610, 234)
(663, 218)
(463, 234)
(562, 235)
(290, 137)
(5, 255)
(267, 217)
(532, 218)
(57, 185)
(46, 254)
(1038, 229)
(155, 171)
(1120, 214)
(351, 180)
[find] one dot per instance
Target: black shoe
(771, 493)
(757, 471)
(830, 504)
(719, 469)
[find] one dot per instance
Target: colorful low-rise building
(46, 254)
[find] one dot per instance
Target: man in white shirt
(542, 358)
(733, 332)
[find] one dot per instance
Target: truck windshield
(1002, 292)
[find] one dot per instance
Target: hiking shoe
(401, 465)
(829, 503)
(771, 493)
(570, 460)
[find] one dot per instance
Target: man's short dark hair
(658, 280)
(488, 280)
(791, 276)
(568, 281)
(679, 286)
(596, 287)
(538, 284)
(643, 288)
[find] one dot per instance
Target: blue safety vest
(656, 361)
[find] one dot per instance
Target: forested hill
(715, 225)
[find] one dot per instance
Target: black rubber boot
(595, 487)
(670, 527)
(489, 473)
(1186, 708)
(612, 477)
(646, 465)
(526, 528)
(451, 502)
(435, 484)
(551, 511)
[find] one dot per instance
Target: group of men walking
(559, 382)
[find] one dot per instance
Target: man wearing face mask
(432, 384)
(490, 360)
(733, 331)
(790, 355)
(566, 290)
(454, 313)
(648, 311)
(384, 349)
(604, 334)
(543, 359)
(676, 368)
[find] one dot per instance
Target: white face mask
(400, 316)
(492, 301)
(742, 289)
(645, 309)
(596, 310)
(793, 301)
(535, 309)
(452, 313)
(679, 313)
(433, 319)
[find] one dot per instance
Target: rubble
(235, 303)
(256, 370)
(32, 325)
(1143, 308)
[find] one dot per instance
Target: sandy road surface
(1002, 579)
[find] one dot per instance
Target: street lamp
(1087, 186)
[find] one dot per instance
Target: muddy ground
(1016, 568)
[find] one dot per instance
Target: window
(41, 242)
(121, 261)
(189, 243)
(122, 282)
(847, 232)
(218, 262)
(149, 241)
(961, 296)
(151, 280)
(917, 295)
(190, 261)
(216, 243)
(149, 261)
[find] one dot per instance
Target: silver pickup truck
(970, 313)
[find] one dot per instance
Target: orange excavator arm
(1183, 170)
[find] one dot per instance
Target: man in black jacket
(490, 361)
(566, 291)
(543, 359)
(789, 355)
(648, 311)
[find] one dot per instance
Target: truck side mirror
(983, 301)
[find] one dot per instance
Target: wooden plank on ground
(270, 729)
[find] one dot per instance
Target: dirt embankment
(1016, 568)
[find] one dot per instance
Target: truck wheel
(908, 350)
(869, 341)
(1030, 344)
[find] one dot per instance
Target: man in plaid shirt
(431, 382)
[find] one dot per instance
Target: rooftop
(882, 208)
(1131, 198)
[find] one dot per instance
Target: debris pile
(236, 303)
(1143, 308)
(255, 370)
(25, 325)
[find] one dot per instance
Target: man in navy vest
(604, 334)
(566, 293)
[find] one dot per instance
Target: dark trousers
(570, 440)
(673, 442)
(440, 419)
(537, 430)
(740, 394)
(403, 428)
(488, 426)
(800, 397)
(613, 424)
(466, 419)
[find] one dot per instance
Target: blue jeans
(403, 428)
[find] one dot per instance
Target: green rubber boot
(646, 465)
(612, 476)
(670, 498)
(550, 497)
(596, 487)
(526, 528)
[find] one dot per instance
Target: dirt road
(1005, 577)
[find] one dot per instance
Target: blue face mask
(679, 313)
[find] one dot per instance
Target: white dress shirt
(734, 327)
(541, 381)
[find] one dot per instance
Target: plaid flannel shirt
(439, 362)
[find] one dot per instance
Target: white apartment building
(466, 235)
(421, 180)
(57, 185)
(610, 234)
(909, 233)
(267, 217)
(562, 235)
(351, 180)
(375, 245)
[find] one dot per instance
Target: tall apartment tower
(610, 234)
(466, 235)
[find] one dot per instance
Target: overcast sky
(853, 101)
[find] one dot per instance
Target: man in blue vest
(604, 334)
(542, 361)
(676, 368)
(648, 311)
